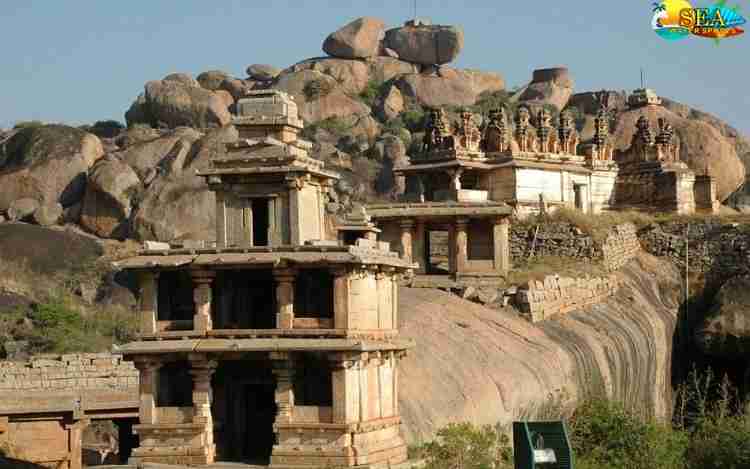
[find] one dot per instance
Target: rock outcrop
(172, 103)
(357, 39)
(47, 163)
(487, 366)
(725, 332)
(111, 188)
(552, 86)
(262, 72)
(452, 87)
(425, 44)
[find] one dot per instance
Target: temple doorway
(260, 221)
(437, 252)
(244, 410)
(244, 299)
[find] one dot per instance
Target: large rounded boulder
(172, 103)
(701, 145)
(47, 163)
(452, 87)
(426, 44)
(178, 205)
(319, 96)
(352, 76)
(111, 188)
(143, 157)
(552, 86)
(358, 39)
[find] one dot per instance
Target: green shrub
(720, 443)
(106, 128)
(414, 118)
(373, 89)
(465, 446)
(605, 434)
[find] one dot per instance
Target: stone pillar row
(203, 297)
(413, 248)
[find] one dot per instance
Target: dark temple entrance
(244, 410)
(244, 299)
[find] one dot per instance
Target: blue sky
(78, 61)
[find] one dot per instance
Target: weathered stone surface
(110, 190)
(453, 88)
(170, 103)
(178, 206)
(553, 86)
(20, 209)
(383, 69)
(147, 155)
(318, 96)
(725, 331)
(48, 214)
(212, 79)
(237, 88)
(47, 163)
(226, 97)
(426, 44)
(262, 72)
(357, 39)
(390, 105)
(390, 151)
(182, 78)
(701, 146)
(351, 76)
(486, 366)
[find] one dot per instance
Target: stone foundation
(540, 300)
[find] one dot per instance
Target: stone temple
(279, 344)
(466, 182)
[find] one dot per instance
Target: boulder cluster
(363, 105)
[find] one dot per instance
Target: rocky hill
(363, 105)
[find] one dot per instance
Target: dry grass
(539, 267)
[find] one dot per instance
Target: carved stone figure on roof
(524, 138)
(567, 136)
(495, 138)
(603, 148)
(544, 131)
(467, 133)
(438, 134)
(666, 148)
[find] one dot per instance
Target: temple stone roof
(271, 256)
(432, 209)
(263, 345)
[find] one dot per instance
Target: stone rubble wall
(563, 239)
(87, 371)
(540, 300)
(717, 249)
(620, 246)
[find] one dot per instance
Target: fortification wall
(540, 300)
(563, 239)
(717, 249)
(88, 371)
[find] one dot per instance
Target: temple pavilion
(277, 344)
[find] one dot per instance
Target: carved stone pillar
(341, 299)
(295, 185)
(406, 240)
(147, 370)
(346, 408)
(455, 176)
(201, 368)
(419, 254)
(501, 244)
(284, 372)
(462, 245)
(284, 298)
(202, 297)
(75, 436)
(148, 301)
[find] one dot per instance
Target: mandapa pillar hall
(277, 344)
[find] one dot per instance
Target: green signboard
(541, 445)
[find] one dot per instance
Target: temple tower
(278, 345)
